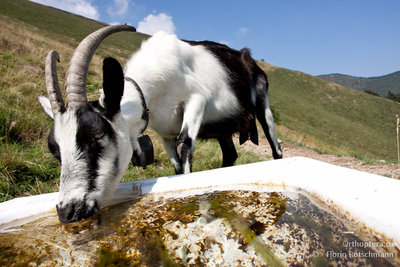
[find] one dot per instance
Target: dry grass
(266, 66)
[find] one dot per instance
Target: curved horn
(53, 88)
(75, 79)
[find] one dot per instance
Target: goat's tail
(248, 64)
(259, 95)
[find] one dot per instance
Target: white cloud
(154, 23)
(79, 7)
(242, 32)
(119, 8)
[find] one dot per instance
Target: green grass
(340, 119)
(207, 156)
(26, 169)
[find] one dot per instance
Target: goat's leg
(136, 152)
(170, 147)
(192, 118)
(229, 154)
(266, 119)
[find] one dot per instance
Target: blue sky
(360, 38)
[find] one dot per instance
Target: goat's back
(170, 70)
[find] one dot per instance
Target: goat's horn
(53, 89)
(75, 79)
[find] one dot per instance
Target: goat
(200, 89)
(193, 89)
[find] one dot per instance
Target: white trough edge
(372, 199)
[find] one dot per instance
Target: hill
(336, 119)
(313, 112)
(380, 85)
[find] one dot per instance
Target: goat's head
(90, 139)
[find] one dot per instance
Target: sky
(353, 37)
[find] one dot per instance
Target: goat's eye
(98, 137)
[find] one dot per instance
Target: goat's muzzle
(75, 211)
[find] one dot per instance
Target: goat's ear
(113, 86)
(45, 103)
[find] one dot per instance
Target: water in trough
(216, 228)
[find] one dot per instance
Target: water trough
(282, 212)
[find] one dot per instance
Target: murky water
(222, 228)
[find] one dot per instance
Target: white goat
(192, 89)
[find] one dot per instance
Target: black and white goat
(192, 89)
(200, 89)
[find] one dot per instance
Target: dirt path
(290, 150)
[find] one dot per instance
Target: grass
(66, 27)
(207, 156)
(313, 112)
(25, 165)
(337, 119)
(26, 170)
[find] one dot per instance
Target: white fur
(270, 122)
(71, 187)
(45, 103)
(184, 86)
(170, 72)
(73, 170)
(170, 147)
(106, 182)
(131, 110)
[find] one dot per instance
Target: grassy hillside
(381, 85)
(312, 111)
(28, 32)
(63, 26)
(335, 118)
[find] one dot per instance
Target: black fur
(184, 149)
(146, 111)
(229, 154)
(113, 86)
(240, 81)
(245, 79)
(53, 146)
(93, 125)
(91, 128)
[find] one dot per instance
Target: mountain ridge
(381, 85)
